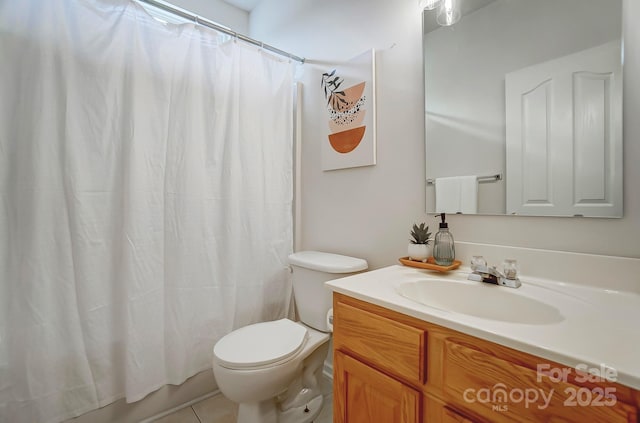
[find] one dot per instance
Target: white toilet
(272, 369)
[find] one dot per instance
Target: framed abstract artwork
(349, 99)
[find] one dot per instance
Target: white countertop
(597, 326)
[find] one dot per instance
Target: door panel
(363, 395)
(564, 135)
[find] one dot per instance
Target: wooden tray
(430, 264)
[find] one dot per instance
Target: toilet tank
(311, 269)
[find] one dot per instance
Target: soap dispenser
(443, 250)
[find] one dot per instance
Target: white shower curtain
(145, 201)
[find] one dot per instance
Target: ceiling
(247, 5)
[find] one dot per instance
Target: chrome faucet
(489, 274)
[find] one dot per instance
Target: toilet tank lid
(327, 262)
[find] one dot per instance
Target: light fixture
(428, 4)
(448, 12)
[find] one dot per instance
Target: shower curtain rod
(206, 22)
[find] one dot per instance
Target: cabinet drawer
(394, 347)
(504, 391)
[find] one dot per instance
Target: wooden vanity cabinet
(373, 356)
(389, 367)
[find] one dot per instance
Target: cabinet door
(450, 416)
(363, 395)
(435, 410)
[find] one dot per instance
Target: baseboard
(180, 407)
(327, 370)
(194, 389)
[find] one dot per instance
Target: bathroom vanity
(400, 360)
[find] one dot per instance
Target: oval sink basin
(482, 300)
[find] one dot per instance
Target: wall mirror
(523, 108)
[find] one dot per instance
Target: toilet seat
(261, 345)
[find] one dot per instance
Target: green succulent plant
(420, 234)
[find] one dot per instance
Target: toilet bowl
(264, 368)
(273, 369)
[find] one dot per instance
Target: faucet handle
(478, 262)
(510, 268)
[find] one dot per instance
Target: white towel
(457, 194)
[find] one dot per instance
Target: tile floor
(219, 409)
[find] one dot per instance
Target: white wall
(367, 212)
(217, 11)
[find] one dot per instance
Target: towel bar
(488, 178)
